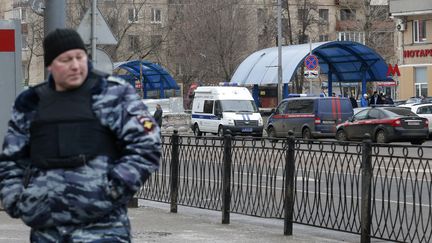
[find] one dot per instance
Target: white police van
(222, 109)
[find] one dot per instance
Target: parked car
(399, 102)
(385, 124)
(415, 100)
(308, 117)
(423, 110)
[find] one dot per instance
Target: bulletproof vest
(65, 132)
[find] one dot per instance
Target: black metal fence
(377, 190)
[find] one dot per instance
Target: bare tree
(372, 20)
(33, 35)
(211, 39)
(298, 29)
(130, 21)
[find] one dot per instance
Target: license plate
(249, 129)
(413, 123)
(328, 122)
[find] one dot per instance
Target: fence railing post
(226, 180)
(289, 186)
(174, 171)
(366, 177)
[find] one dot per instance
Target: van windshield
(238, 106)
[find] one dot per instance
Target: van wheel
(197, 131)
(306, 134)
(220, 131)
(381, 137)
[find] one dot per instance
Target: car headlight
(230, 122)
(260, 122)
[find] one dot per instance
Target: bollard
(289, 185)
(174, 171)
(366, 176)
(226, 180)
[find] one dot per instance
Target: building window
(156, 41)
(421, 86)
(302, 15)
(25, 70)
(179, 69)
(24, 44)
(352, 36)
(23, 15)
(156, 15)
(419, 30)
(133, 42)
(323, 16)
(132, 15)
(323, 38)
(347, 14)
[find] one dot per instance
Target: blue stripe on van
(202, 116)
(246, 117)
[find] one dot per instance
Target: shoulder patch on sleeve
(116, 80)
(147, 123)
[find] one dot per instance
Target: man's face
(69, 69)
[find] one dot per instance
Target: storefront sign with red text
(417, 53)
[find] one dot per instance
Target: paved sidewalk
(152, 222)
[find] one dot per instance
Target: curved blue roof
(154, 77)
(348, 62)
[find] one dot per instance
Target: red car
(385, 124)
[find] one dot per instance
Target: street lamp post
(279, 38)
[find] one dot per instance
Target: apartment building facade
(414, 46)
(167, 31)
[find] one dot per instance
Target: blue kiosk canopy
(341, 61)
(146, 76)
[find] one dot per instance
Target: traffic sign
(311, 74)
(103, 62)
(138, 84)
(311, 62)
(103, 33)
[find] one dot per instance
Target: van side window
(300, 106)
(208, 106)
(218, 108)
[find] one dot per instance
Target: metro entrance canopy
(341, 61)
(149, 76)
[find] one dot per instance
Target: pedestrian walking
(375, 99)
(353, 101)
(323, 93)
(388, 100)
(364, 101)
(158, 115)
(73, 155)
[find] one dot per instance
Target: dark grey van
(309, 117)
